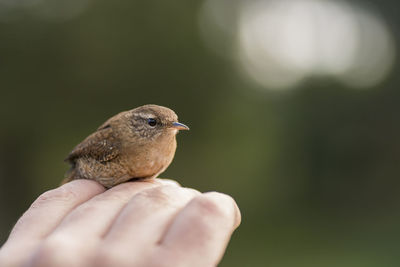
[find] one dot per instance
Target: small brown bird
(135, 144)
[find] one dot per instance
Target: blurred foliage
(314, 170)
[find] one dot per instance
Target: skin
(144, 223)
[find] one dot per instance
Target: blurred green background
(313, 165)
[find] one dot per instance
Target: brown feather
(101, 145)
(126, 147)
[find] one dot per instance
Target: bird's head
(152, 121)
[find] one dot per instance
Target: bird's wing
(101, 145)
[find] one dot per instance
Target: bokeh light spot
(279, 43)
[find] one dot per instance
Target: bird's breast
(149, 160)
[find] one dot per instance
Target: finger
(87, 222)
(167, 181)
(94, 217)
(44, 215)
(47, 211)
(201, 231)
(143, 222)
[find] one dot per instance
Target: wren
(135, 144)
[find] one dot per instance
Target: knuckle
(166, 181)
(192, 191)
(230, 205)
(169, 195)
(157, 195)
(59, 194)
(205, 205)
(221, 196)
(165, 196)
(214, 204)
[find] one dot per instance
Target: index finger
(47, 211)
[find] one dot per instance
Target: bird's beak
(179, 126)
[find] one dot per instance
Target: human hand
(143, 223)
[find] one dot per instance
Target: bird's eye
(152, 122)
